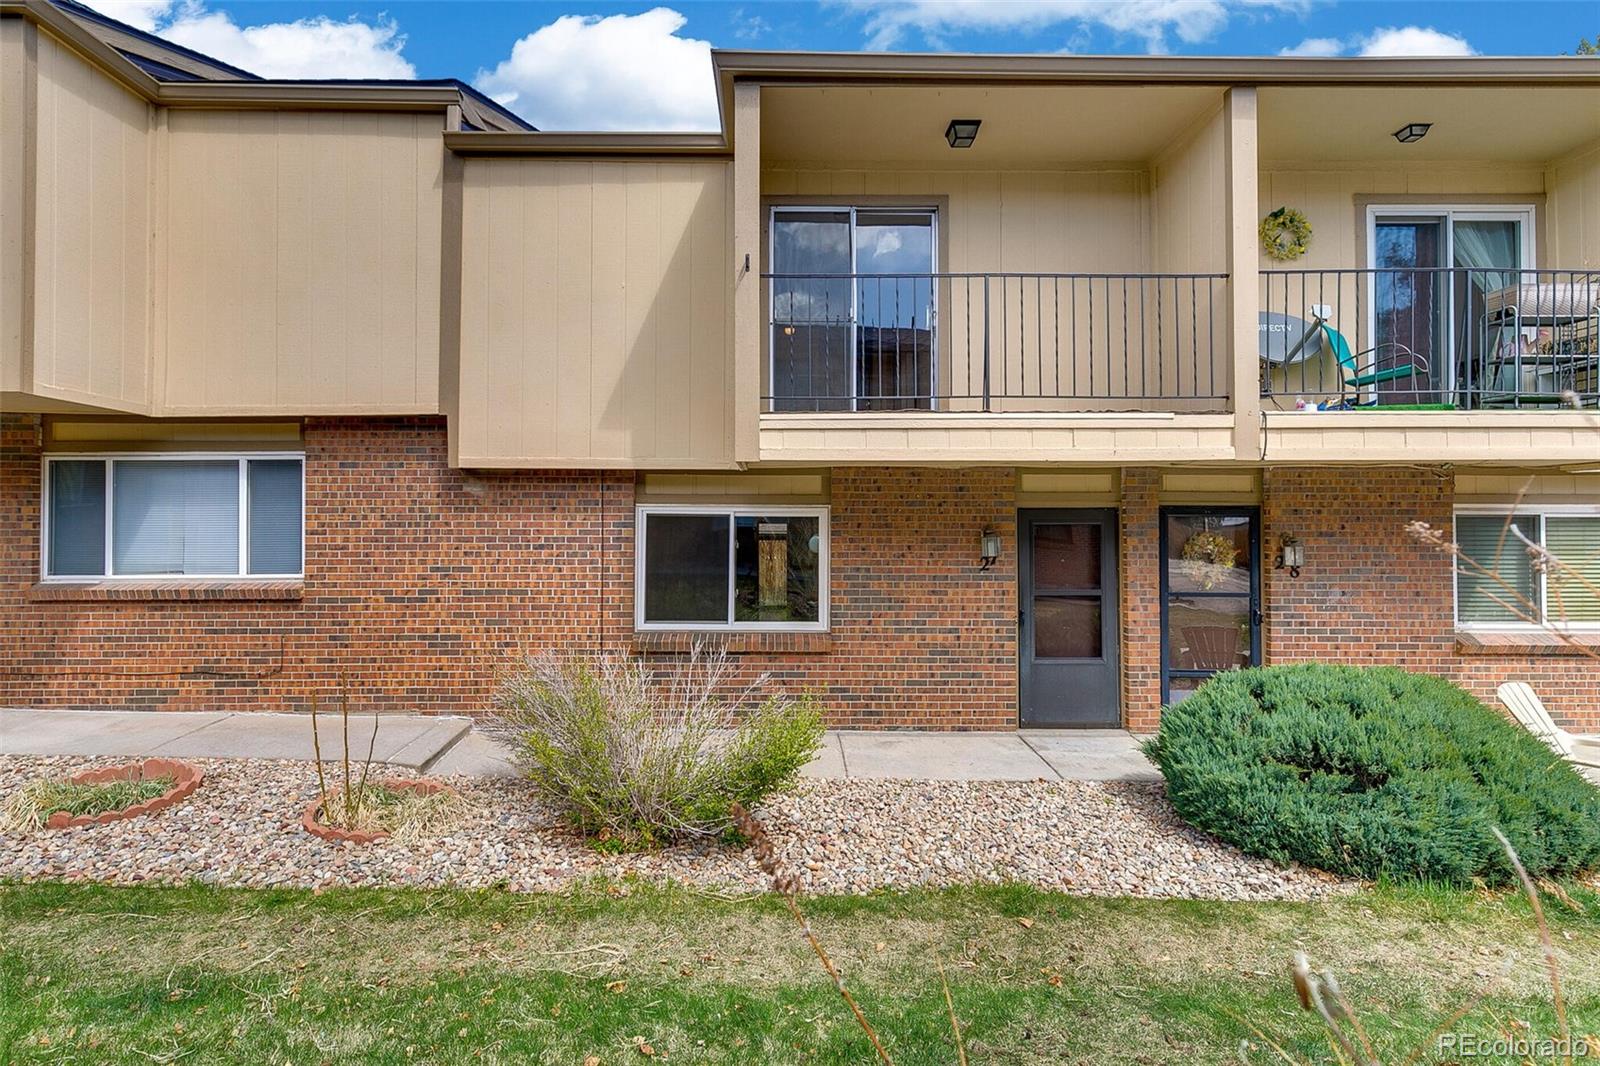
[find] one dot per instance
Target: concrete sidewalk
(449, 745)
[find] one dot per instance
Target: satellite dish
(1281, 336)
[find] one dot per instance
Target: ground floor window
(169, 515)
(1513, 587)
(732, 568)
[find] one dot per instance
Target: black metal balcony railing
(1450, 337)
(997, 342)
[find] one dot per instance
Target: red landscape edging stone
(186, 777)
(422, 786)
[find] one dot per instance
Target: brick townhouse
(972, 392)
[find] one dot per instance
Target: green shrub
(1372, 772)
(632, 756)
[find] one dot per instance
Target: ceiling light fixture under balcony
(1412, 131)
(962, 132)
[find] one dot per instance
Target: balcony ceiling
(1508, 124)
(1023, 126)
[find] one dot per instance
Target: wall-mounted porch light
(988, 548)
(1291, 555)
(1412, 131)
(962, 132)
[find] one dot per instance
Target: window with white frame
(173, 515)
(1511, 589)
(752, 568)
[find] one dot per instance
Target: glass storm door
(853, 309)
(1068, 632)
(1210, 595)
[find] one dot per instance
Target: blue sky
(576, 64)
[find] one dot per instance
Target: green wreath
(1285, 234)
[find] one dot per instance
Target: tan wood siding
(1088, 221)
(1542, 437)
(595, 314)
(15, 181)
(1573, 210)
(92, 236)
(1327, 196)
(1188, 196)
(957, 439)
(302, 262)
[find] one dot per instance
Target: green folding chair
(1360, 369)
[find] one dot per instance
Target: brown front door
(1067, 622)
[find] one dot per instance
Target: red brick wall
(920, 637)
(421, 582)
(1370, 594)
(1139, 566)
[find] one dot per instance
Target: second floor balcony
(1432, 338)
(997, 342)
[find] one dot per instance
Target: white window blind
(175, 517)
(1575, 540)
(274, 544)
(1515, 591)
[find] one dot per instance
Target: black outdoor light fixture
(1412, 131)
(1291, 555)
(962, 132)
(988, 548)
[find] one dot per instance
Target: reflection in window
(735, 569)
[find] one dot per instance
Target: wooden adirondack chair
(1525, 705)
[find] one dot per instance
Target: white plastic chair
(1525, 705)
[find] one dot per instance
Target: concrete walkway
(449, 745)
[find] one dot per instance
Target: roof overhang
(248, 94)
(903, 68)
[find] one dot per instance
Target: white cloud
(1387, 41)
(621, 72)
(1315, 46)
(941, 22)
(1414, 41)
(140, 14)
(318, 47)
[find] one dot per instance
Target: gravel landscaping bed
(842, 836)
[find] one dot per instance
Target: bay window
(756, 568)
(1515, 591)
(173, 515)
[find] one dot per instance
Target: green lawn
(97, 974)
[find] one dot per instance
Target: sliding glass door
(853, 309)
(1420, 309)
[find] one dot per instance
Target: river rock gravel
(242, 827)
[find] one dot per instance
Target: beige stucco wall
(91, 224)
(302, 254)
(1573, 210)
(595, 314)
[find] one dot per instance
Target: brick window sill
(653, 643)
(1511, 642)
(179, 591)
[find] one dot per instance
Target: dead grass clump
(408, 816)
(33, 804)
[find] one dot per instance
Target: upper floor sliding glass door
(854, 309)
(1435, 269)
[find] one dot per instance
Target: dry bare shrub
(630, 755)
